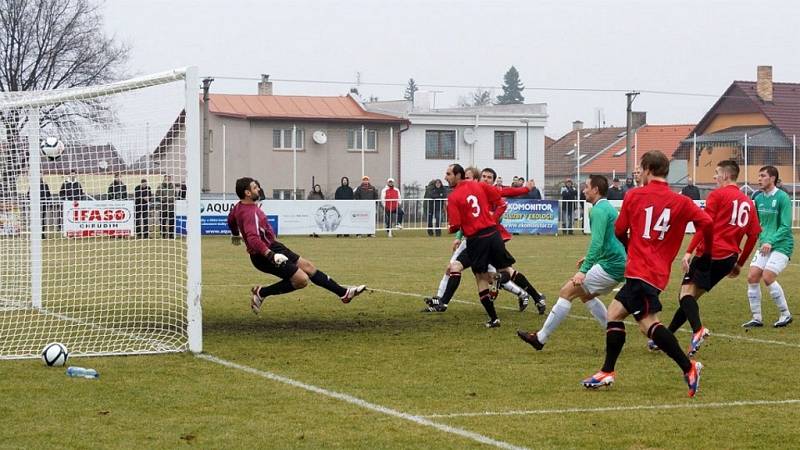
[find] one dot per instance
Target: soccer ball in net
(55, 354)
(52, 148)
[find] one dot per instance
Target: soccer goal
(100, 218)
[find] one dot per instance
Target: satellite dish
(469, 136)
(319, 137)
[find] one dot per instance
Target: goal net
(99, 218)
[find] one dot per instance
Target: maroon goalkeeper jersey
(469, 207)
(656, 218)
(734, 216)
(249, 221)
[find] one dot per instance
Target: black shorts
(707, 276)
(464, 259)
(487, 247)
(639, 298)
(266, 265)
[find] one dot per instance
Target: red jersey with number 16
(734, 216)
(657, 218)
(469, 207)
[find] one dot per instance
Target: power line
(466, 86)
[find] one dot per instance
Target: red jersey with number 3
(656, 218)
(469, 207)
(734, 216)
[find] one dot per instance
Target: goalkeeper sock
(320, 279)
(488, 304)
(452, 285)
(523, 282)
(281, 287)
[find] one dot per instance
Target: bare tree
(478, 97)
(51, 44)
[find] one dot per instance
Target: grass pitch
(446, 367)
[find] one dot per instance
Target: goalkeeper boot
(352, 292)
(523, 299)
(256, 300)
(530, 338)
(599, 379)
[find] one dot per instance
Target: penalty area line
(362, 403)
(617, 408)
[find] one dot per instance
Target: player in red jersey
(469, 210)
(516, 280)
(247, 221)
(734, 216)
(656, 218)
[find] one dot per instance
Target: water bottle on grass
(81, 372)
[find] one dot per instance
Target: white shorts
(775, 262)
(598, 281)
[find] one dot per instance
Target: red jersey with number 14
(734, 215)
(657, 218)
(469, 207)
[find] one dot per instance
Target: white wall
(414, 166)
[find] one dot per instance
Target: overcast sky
(679, 46)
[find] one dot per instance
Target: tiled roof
(741, 96)
(294, 107)
(560, 159)
(666, 138)
(548, 141)
(85, 159)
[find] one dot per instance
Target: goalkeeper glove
(279, 259)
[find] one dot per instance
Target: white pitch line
(617, 408)
(628, 322)
(363, 403)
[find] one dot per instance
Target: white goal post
(100, 226)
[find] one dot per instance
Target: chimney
(638, 119)
(264, 86)
(577, 125)
(764, 83)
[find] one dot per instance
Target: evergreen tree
(512, 89)
(410, 90)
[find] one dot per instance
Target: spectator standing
(436, 207)
(46, 200)
(534, 193)
(390, 200)
(166, 195)
(365, 191)
(629, 184)
(615, 191)
(142, 196)
(71, 188)
(117, 190)
(690, 190)
(344, 191)
(316, 193)
(569, 197)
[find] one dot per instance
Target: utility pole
(206, 140)
(628, 156)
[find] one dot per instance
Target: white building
(502, 137)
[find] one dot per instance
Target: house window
(504, 144)
(355, 140)
(286, 194)
(440, 144)
(282, 139)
